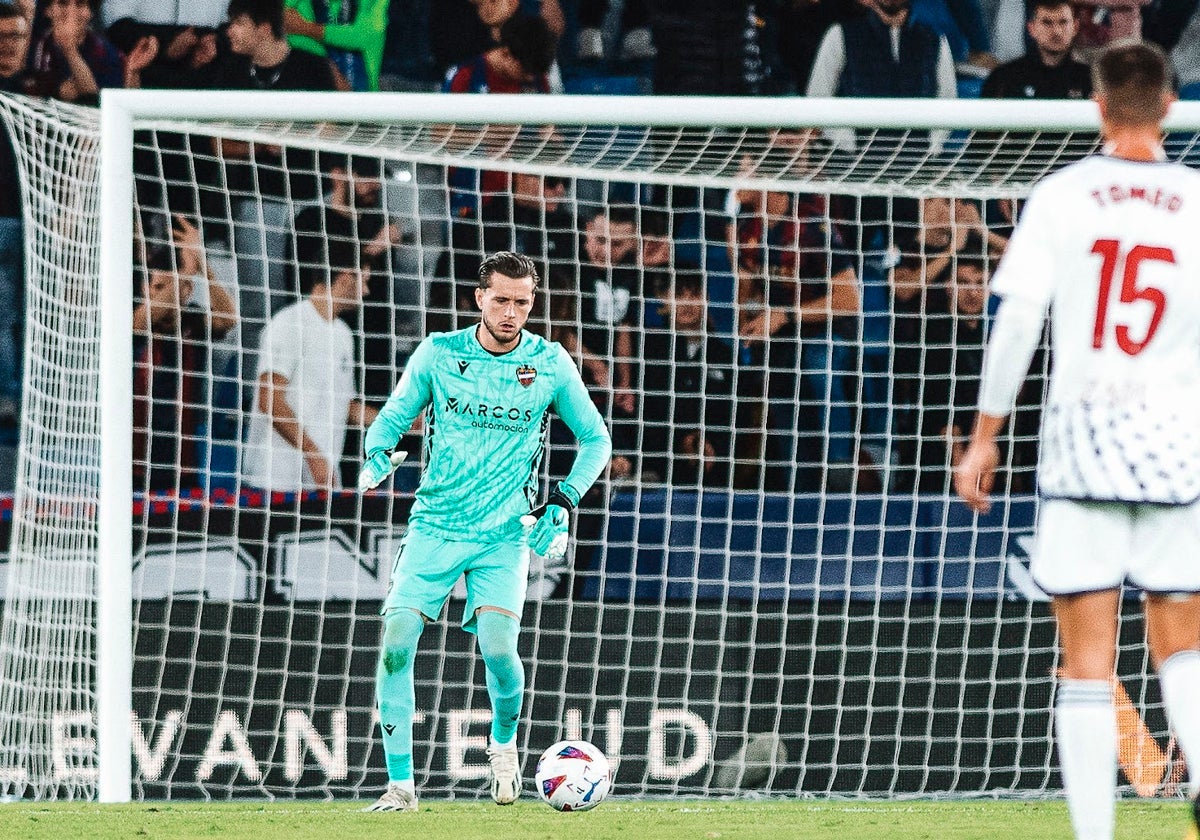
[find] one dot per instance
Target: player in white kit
(1111, 246)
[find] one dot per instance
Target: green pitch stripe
(617, 818)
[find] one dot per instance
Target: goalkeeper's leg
(497, 632)
(396, 695)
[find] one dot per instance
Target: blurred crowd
(734, 338)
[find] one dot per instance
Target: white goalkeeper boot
(506, 773)
(395, 798)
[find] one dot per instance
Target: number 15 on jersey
(1129, 263)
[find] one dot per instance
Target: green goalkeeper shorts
(426, 569)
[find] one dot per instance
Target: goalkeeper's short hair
(510, 264)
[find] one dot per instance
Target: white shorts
(1093, 546)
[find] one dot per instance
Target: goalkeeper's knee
(401, 632)
(497, 634)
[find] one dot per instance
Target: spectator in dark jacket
(1046, 71)
(882, 53)
(688, 388)
(706, 47)
(953, 363)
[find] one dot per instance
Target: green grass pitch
(617, 818)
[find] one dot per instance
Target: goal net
(780, 309)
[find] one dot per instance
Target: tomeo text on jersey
(486, 418)
(1113, 248)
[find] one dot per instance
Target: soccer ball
(573, 776)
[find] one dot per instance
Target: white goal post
(679, 143)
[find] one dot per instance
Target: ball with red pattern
(573, 776)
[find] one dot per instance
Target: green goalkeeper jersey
(486, 418)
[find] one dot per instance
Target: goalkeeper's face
(505, 306)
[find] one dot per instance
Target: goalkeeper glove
(550, 524)
(378, 466)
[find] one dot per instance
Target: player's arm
(272, 401)
(1025, 281)
(551, 521)
(574, 405)
(361, 415)
(361, 34)
(411, 396)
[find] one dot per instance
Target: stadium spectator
(14, 46)
(265, 182)
(351, 33)
(305, 384)
(1101, 22)
(800, 28)
(688, 387)
(637, 44)
(657, 245)
(352, 210)
(519, 64)
(184, 63)
(1047, 70)
(263, 59)
(462, 29)
(529, 218)
(608, 297)
(797, 300)
(953, 362)
(182, 309)
(944, 230)
(947, 230)
(595, 315)
(884, 52)
(72, 62)
(706, 47)
(965, 25)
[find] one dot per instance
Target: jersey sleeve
(363, 33)
(278, 348)
(412, 394)
(1027, 270)
(574, 405)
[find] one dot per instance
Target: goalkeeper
(486, 392)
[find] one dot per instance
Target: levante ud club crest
(526, 375)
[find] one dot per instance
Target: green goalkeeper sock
(395, 691)
(497, 633)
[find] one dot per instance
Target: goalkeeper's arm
(550, 522)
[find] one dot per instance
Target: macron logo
(462, 366)
(388, 727)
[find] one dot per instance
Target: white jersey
(1112, 247)
(316, 356)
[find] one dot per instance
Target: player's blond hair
(1131, 77)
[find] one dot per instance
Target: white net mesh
(773, 590)
(48, 631)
